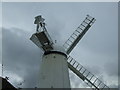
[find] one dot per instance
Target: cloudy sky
(97, 51)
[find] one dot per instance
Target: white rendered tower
(54, 69)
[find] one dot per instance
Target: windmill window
(54, 57)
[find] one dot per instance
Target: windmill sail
(78, 34)
(85, 75)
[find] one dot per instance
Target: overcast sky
(97, 51)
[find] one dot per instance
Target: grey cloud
(76, 82)
(111, 68)
(20, 55)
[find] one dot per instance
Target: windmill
(56, 59)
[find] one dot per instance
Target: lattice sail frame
(78, 34)
(91, 80)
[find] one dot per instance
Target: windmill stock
(56, 59)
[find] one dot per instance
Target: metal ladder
(78, 33)
(91, 80)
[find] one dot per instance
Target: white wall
(54, 72)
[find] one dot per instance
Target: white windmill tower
(56, 59)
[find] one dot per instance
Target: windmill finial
(40, 22)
